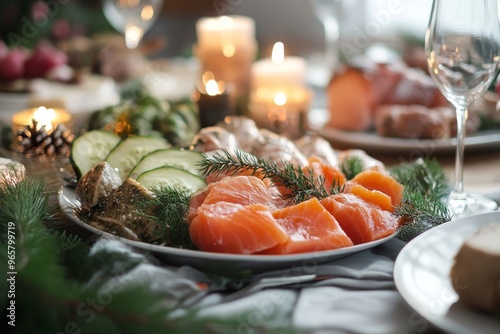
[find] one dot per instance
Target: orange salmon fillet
(375, 180)
(362, 221)
(233, 228)
(372, 196)
(331, 175)
(310, 227)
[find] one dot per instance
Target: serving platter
(372, 142)
(421, 274)
(218, 263)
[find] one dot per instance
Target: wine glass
(328, 13)
(132, 17)
(462, 45)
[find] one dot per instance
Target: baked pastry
(475, 274)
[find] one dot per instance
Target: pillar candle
(226, 47)
(279, 70)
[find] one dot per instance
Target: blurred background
(295, 22)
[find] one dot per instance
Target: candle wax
(291, 71)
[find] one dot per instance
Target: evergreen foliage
(60, 279)
(52, 295)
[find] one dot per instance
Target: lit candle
(281, 109)
(279, 70)
(226, 46)
(49, 118)
(213, 99)
(227, 33)
(45, 118)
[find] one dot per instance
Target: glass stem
(462, 114)
(332, 34)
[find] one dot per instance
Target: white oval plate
(371, 142)
(421, 274)
(218, 262)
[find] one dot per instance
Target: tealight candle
(226, 46)
(213, 99)
(281, 109)
(49, 118)
(279, 70)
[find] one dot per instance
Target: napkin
(132, 269)
(357, 294)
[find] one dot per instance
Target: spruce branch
(48, 300)
(170, 209)
(351, 166)
(422, 206)
(301, 186)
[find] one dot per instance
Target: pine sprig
(170, 208)
(351, 166)
(422, 206)
(301, 186)
(48, 300)
(22, 202)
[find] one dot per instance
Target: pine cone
(38, 142)
(62, 138)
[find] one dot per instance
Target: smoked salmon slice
(238, 189)
(225, 227)
(331, 175)
(361, 221)
(372, 196)
(310, 227)
(376, 180)
(244, 190)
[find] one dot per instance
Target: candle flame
(147, 13)
(212, 87)
(207, 76)
(133, 35)
(278, 55)
(280, 99)
(45, 117)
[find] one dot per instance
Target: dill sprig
(302, 186)
(351, 166)
(169, 208)
(425, 187)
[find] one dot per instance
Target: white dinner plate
(421, 274)
(217, 262)
(371, 142)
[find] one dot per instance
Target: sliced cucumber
(131, 150)
(175, 157)
(168, 176)
(90, 149)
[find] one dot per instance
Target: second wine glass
(132, 17)
(462, 46)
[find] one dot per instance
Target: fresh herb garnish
(302, 186)
(351, 166)
(170, 208)
(425, 187)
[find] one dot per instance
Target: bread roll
(475, 274)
